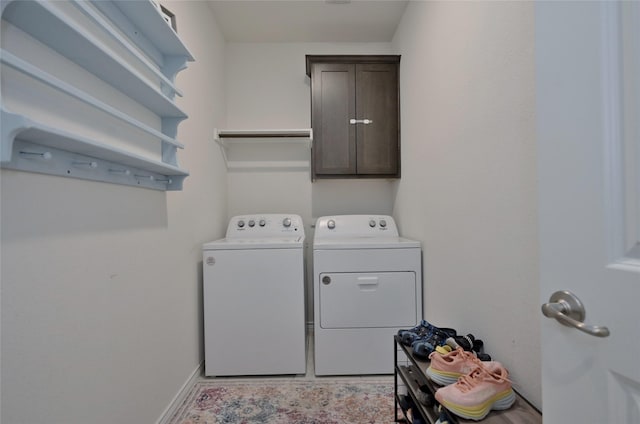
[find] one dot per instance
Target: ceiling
(283, 21)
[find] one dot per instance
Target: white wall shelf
(43, 149)
(130, 47)
(158, 42)
(26, 68)
(255, 150)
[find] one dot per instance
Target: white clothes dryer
(254, 317)
(367, 286)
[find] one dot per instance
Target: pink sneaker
(474, 395)
(446, 369)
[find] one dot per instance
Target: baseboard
(175, 402)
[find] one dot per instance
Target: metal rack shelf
(410, 372)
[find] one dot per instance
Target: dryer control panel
(265, 226)
(356, 226)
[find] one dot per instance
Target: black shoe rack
(410, 378)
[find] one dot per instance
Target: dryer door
(367, 300)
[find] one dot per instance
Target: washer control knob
(331, 224)
(262, 223)
(286, 222)
(383, 223)
(326, 280)
(240, 224)
(372, 223)
(252, 223)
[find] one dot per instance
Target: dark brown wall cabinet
(355, 116)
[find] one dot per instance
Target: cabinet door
(333, 104)
(377, 99)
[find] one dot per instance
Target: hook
(43, 155)
(120, 171)
(90, 164)
(149, 177)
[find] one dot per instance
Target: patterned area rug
(288, 401)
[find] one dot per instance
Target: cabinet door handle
(360, 121)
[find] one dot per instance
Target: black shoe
(465, 342)
(425, 396)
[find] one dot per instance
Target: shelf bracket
(12, 125)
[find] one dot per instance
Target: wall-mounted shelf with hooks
(283, 150)
(100, 77)
(42, 149)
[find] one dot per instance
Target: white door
(588, 124)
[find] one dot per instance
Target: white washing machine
(367, 285)
(254, 318)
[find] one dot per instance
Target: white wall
(268, 89)
(101, 284)
(468, 189)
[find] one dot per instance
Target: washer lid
(365, 243)
(246, 244)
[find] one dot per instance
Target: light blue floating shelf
(128, 45)
(32, 147)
